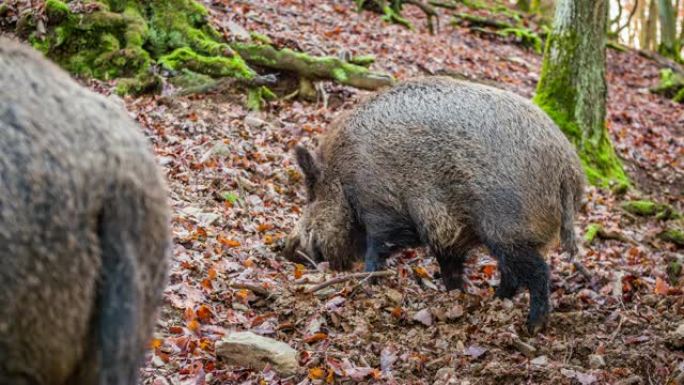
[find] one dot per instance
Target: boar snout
(294, 252)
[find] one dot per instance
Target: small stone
(596, 361)
(424, 316)
(394, 296)
(250, 350)
(540, 361)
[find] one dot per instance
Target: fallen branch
(258, 289)
(348, 277)
(312, 67)
(595, 230)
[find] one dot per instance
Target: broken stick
(348, 277)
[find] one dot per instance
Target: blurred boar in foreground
(447, 164)
(84, 233)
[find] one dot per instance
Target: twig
(250, 286)
(347, 277)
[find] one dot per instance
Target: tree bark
(669, 45)
(572, 87)
(649, 30)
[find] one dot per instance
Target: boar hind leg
(524, 266)
(132, 244)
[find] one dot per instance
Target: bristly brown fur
(84, 235)
(451, 165)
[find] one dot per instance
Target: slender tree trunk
(649, 30)
(572, 87)
(669, 46)
(637, 23)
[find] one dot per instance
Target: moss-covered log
(671, 85)
(127, 39)
(310, 67)
(673, 235)
(648, 208)
(572, 87)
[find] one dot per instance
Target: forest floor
(236, 193)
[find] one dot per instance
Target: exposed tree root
(131, 40)
(391, 11)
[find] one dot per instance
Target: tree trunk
(649, 29)
(669, 45)
(637, 23)
(572, 87)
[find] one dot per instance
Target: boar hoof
(536, 324)
(505, 292)
(453, 283)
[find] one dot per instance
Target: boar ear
(309, 167)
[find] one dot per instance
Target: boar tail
(570, 199)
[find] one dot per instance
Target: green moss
(190, 79)
(557, 96)
(363, 60)
(260, 38)
(140, 84)
(394, 17)
(312, 67)
(591, 232)
(215, 66)
(526, 36)
(671, 85)
(257, 97)
(675, 236)
(56, 11)
(650, 208)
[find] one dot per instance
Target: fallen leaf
(299, 270)
(424, 316)
(315, 338)
(316, 373)
(661, 286)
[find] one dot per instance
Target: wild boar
(84, 235)
(451, 165)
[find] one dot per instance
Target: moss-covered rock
(675, 236)
(671, 85)
(650, 208)
(591, 232)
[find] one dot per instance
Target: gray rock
(250, 350)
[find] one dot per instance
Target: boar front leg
(376, 254)
(451, 269)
